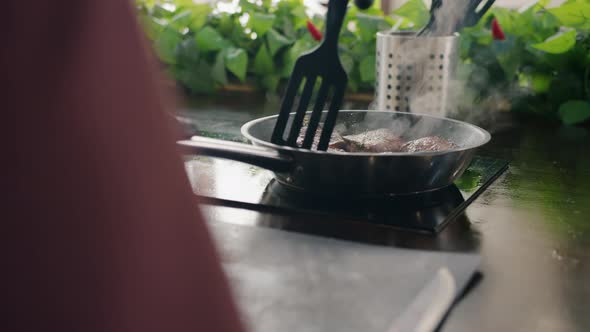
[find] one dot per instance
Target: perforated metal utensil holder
(415, 74)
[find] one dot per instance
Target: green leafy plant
(540, 65)
(253, 43)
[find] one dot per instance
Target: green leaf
(196, 79)
(239, 38)
(148, 3)
(573, 14)
(506, 19)
(152, 26)
(574, 112)
(469, 181)
(359, 51)
(347, 62)
(290, 56)
(276, 41)
(542, 4)
(236, 61)
(508, 54)
(218, 71)
(200, 14)
(163, 10)
(465, 43)
(414, 11)
(524, 25)
(546, 23)
(187, 53)
(368, 26)
(300, 17)
(478, 35)
(292, 11)
(558, 43)
(540, 82)
(263, 63)
(249, 6)
(270, 82)
(373, 10)
(166, 44)
(182, 19)
(353, 84)
(287, 29)
(567, 85)
(208, 39)
(261, 23)
(367, 68)
(226, 24)
(183, 3)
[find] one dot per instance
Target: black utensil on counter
(324, 63)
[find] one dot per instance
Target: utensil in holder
(415, 74)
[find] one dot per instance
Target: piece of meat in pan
(336, 141)
(380, 140)
(430, 144)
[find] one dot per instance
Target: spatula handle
(363, 4)
(334, 20)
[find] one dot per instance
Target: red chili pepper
(497, 32)
(313, 30)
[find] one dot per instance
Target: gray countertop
(284, 281)
(531, 228)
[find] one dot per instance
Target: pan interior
(407, 125)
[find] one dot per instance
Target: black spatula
(323, 62)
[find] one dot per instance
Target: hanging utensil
(448, 18)
(431, 25)
(474, 14)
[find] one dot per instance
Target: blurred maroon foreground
(103, 232)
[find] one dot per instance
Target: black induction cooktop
(234, 184)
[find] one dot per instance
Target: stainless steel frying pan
(356, 173)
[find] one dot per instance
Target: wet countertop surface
(285, 281)
(531, 226)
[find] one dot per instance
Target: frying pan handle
(253, 155)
